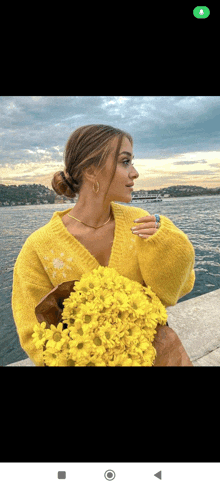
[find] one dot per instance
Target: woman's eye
(127, 161)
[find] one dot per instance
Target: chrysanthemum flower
(81, 349)
(56, 336)
(121, 360)
(54, 358)
(108, 335)
(39, 336)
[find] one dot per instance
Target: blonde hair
(86, 146)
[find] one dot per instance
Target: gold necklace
(88, 224)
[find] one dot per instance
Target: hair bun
(65, 178)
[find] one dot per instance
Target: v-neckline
(81, 246)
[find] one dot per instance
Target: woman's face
(125, 172)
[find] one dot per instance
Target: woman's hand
(148, 228)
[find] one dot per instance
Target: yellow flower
(122, 299)
(80, 349)
(104, 299)
(138, 303)
(135, 353)
(54, 358)
(56, 336)
(88, 315)
(143, 343)
(149, 356)
(132, 335)
(108, 335)
(39, 336)
(87, 285)
(111, 352)
(121, 360)
(126, 317)
(74, 330)
(149, 333)
(135, 363)
(96, 360)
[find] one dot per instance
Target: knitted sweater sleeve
(166, 260)
(30, 285)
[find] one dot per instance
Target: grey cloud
(195, 162)
(160, 126)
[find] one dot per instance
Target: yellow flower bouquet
(107, 320)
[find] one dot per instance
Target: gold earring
(96, 191)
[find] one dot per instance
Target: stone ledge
(22, 363)
(197, 323)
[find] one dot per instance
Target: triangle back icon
(158, 475)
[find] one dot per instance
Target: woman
(96, 231)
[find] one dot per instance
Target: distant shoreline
(26, 195)
(73, 203)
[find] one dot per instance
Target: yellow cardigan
(51, 255)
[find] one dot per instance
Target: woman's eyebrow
(126, 153)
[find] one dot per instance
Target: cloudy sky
(176, 139)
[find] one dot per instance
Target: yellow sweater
(51, 255)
